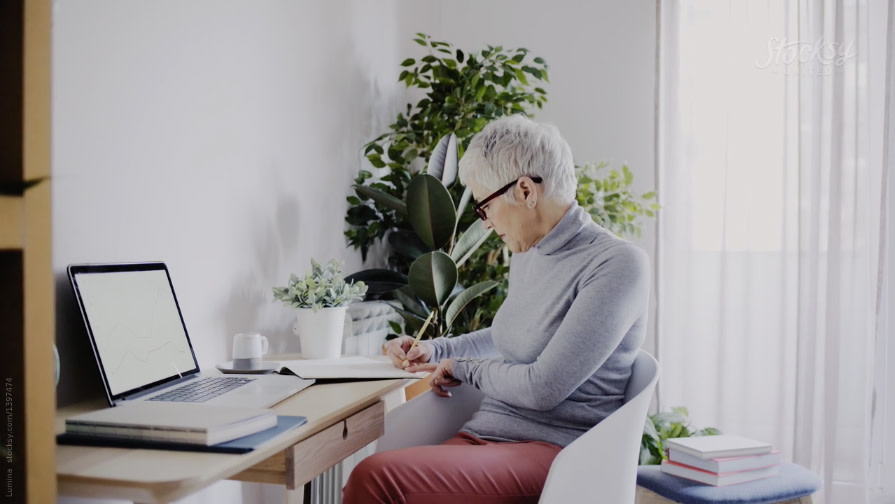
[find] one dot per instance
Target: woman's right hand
(397, 351)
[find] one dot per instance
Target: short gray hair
(515, 146)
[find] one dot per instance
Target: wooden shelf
(27, 287)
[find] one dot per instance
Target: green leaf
(406, 243)
(443, 163)
(430, 210)
(474, 236)
(461, 207)
(432, 277)
(383, 198)
(408, 62)
(410, 303)
(461, 300)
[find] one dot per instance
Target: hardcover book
(725, 464)
(169, 421)
(723, 445)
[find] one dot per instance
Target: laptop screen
(135, 325)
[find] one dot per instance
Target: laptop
(142, 346)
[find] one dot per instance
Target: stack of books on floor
(720, 460)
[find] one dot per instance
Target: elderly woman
(558, 355)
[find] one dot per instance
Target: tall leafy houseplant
(462, 93)
(430, 290)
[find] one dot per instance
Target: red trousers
(463, 469)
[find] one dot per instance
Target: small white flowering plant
(321, 287)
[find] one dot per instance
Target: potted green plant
(320, 300)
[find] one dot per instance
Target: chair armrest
(429, 419)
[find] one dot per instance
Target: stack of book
(720, 460)
(186, 423)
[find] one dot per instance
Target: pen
(419, 335)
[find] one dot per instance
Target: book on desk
(181, 426)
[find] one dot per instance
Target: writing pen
(419, 335)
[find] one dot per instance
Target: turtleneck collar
(571, 224)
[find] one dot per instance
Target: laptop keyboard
(203, 389)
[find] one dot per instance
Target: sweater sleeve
(607, 305)
(476, 344)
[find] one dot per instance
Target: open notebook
(355, 367)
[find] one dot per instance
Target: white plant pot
(320, 333)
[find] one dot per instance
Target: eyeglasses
(478, 207)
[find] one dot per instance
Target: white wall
(222, 137)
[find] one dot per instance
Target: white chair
(599, 466)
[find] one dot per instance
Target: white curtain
(773, 254)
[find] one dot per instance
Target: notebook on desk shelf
(142, 347)
(188, 423)
(210, 428)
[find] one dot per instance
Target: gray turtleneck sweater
(556, 360)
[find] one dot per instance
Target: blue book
(239, 445)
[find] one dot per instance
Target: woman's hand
(397, 351)
(442, 376)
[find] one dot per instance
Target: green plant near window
(610, 201)
(667, 425)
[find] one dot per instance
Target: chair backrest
(601, 465)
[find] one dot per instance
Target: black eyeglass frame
(477, 207)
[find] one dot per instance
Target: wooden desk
(342, 418)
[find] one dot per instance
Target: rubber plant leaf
(443, 163)
(461, 300)
(433, 277)
(406, 243)
(464, 200)
(430, 211)
(382, 198)
(474, 236)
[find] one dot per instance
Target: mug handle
(264, 345)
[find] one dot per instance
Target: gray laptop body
(140, 341)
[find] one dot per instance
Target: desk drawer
(327, 448)
(309, 458)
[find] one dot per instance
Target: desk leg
(300, 495)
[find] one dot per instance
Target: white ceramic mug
(248, 348)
